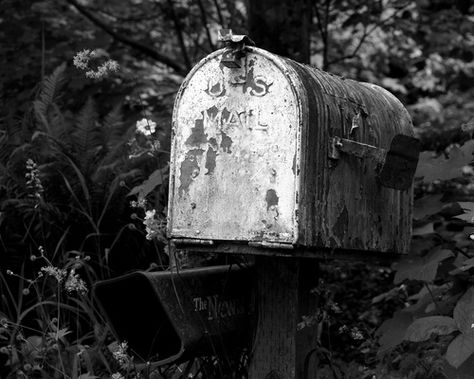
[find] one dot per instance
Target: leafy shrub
(66, 181)
(436, 323)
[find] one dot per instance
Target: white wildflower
(120, 354)
(103, 70)
(82, 58)
(141, 203)
(75, 284)
(57, 273)
(117, 375)
(356, 334)
(153, 225)
(33, 181)
(146, 127)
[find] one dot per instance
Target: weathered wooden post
(278, 159)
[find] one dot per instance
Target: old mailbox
(272, 153)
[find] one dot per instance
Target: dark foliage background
(69, 207)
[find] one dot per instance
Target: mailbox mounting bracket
(271, 245)
(192, 241)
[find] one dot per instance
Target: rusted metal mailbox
(170, 316)
(271, 153)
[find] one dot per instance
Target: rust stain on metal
(197, 134)
(215, 89)
(189, 169)
(271, 198)
(210, 160)
(226, 143)
(257, 85)
(212, 141)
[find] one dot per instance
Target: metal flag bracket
(235, 47)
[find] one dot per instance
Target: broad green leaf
(32, 346)
(460, 349)
(154, 180)
(421, 329)
(465, 265)
(464, 312)
(393, 293)
(462, 372)
(391, 332)
(425, 229)
(450, 210)
(468, 207)
(427, 206)
(432, 168)
(425, 299)
(421, 268)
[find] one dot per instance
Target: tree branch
(367, 32)
(204, 21)
(219, 14)
(134, 18)
(144, 49)
(323, 30)
(179, 34)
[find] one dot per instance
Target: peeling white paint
(234, 153)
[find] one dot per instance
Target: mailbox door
(235, 153)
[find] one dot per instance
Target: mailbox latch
(235, 47)
(395, 167)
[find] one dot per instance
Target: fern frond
(49, 94)
(113, 127)
(86, 138)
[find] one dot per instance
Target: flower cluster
(58, 273)
(33, 181)
(75, 284)
(121, 355)
(141, 203)
(354, 332)
(146, 127)
(83, 59)
(103, 70)
(154, 226)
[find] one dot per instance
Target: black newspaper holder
(169, 316)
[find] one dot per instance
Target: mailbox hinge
(271, 245)
(192, 241)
